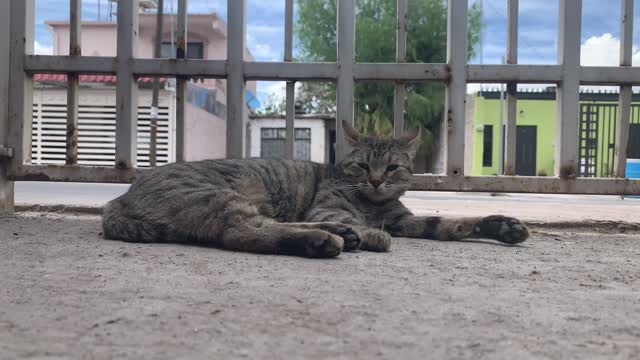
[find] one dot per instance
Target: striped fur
(290, 207)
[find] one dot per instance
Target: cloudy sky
(537, 38)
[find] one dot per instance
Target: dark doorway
(633, 147)
(332, 144)
(526, 140)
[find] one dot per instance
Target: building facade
(205, 98)
(536, 132)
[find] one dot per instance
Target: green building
(536, 132)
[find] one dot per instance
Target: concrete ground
(570, 292)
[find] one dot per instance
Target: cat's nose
(375, 182)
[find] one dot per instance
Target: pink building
(206, 99)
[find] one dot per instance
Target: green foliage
(376, 42)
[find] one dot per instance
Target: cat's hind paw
(347, 233)
(321, 244)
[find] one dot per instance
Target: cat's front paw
(375, 240)
(504, 229)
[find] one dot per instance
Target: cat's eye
(391, 167)
(364, 166)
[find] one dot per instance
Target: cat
(292, 207)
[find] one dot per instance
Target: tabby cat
(291, 207)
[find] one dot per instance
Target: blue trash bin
(633, 172)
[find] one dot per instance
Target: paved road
(76, 194)
(91, 194)
(530, 207)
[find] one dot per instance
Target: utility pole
(153, 125)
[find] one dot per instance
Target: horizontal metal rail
(514, 184)
(281, 71)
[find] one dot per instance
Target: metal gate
(18, 64)
(597, 141)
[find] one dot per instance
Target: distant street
(76, 194)
(535, 207)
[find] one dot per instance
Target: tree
(376, 42)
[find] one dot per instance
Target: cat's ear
(350, 134)
(411, 140)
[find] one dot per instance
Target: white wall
(206, 135)
(317, 135)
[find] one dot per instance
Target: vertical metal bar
(456, 89)
(181, 83)
(153, 123)
(624, 102)
(288, 31)
(20, 83)
(6, 186)
(346, 57)
(73, 83)
(126, 85)
(289, 120)
(566, 146)
(235, 79)
(509, 166)
(290, 99)
(401, 50)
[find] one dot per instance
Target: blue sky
(538, 26)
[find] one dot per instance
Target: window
(272, 143)
(195, 50)
(487, 146)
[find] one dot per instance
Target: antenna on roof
(143, 5)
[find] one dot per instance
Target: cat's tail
(117, 225)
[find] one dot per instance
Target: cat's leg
(504, 229)
(223, 218)
(346, 232)
(242, 227)
(360, 235)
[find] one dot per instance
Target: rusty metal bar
(280, 71)
(73, 83)
(624, 102)
(237, 11)
(6, 185)
(512, 184)
(345, 83)
(457, 89)
(526, 184)
(153, 124)
(566, 146)
(290, 96)
(181, 83)
(509, 166)
(401, 50)
(126, 85)
(75, 173)
(20, 83)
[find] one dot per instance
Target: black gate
(597, 134)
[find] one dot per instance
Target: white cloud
(273, 91)
(262, 51)
(604, 50)
(40, 49)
